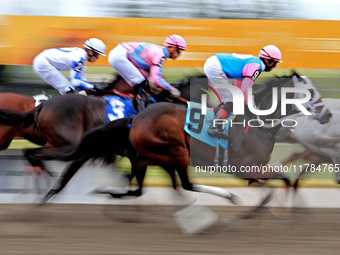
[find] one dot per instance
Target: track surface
(121, 229)
(130, 227)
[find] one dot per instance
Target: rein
(181, 99)
(311, 105)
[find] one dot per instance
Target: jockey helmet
(96, 45)
(175, 41)
(271, 52)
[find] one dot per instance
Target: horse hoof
(113, 192)
(41, 203)
(44, 200)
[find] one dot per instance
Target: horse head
(264, 100)
(315, 105)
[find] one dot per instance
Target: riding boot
(216, 129)
(140, 90)
(71, 91)
(142, 99)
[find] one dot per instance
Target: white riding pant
(51, 75)
(118, 59)
(213, 70)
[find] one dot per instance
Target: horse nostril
(329, 115)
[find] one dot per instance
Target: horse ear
(295, 73)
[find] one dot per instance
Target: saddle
(128, 95)
(142, 100)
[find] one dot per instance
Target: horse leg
(269, 196)
(138, 170)
(288, 185)
(296, 182)
(35, 156)
(314, 159)
(296, 156)
(63, 180)
(187, 185)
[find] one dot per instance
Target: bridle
(311, 105)
(315, 101)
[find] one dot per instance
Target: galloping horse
(20, 103)
(157, 134)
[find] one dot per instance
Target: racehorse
(158, 135)
(17, 103)
(170, 146)
(20, 103)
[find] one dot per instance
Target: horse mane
(264, 89)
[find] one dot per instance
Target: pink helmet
(175, 41)
(271, 52)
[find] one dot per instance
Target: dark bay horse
(157, 134)
(20, 103)
(167, 143)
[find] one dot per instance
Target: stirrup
(215, 132)
(221, 155)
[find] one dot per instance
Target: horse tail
(105, 142)
(24, 119)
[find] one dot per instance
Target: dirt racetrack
(125, 229)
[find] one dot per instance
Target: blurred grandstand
(190, 9)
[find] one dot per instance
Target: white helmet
(96, 45)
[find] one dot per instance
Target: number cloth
(196, 125)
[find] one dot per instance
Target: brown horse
(167, 144)
(157, 134)
(17, 103)
(20, 103)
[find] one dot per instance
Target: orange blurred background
(304, 43)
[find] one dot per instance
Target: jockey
(244, 69)
(49, 62)
(137, 62)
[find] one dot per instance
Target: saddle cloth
(196, 125)
(118, 107)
